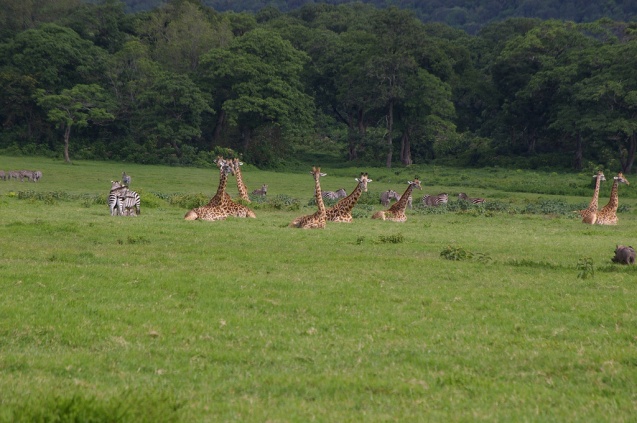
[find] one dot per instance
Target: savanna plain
(507, 311)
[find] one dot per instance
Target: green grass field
(509, 312)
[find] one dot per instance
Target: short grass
(508, 313)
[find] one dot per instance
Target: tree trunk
(405, 149)
(67, 136)
(579, 153)
(390, 127)
(246, 134)
(216, 134)
(627, 164)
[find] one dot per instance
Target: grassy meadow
(511, 311)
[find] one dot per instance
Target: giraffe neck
(348, 203)
(401, 204)
(243, 191)
(318, 194)
(614, 200)
(593, 205)
(223, 181)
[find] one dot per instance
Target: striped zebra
(37, 175)
(3, 176)
(435, 200)
(261, 191)
(125, 179)
(13, 174)
(387, 196)
(115, 205)
(334, 195)
(131, 203)
(465, 197)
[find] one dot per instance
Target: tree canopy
(379, 85)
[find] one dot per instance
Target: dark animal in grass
(624, 255)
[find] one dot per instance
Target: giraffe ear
(323, 174)
(369, 180)
(357, 180)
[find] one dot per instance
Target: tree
(172, 109)
(79, 106)
(255, 82)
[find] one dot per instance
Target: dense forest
(468, 15)
(183, 82)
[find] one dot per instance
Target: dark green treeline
(182, 83)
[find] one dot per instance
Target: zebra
(3, 176)
(37, 175)
(465, 197)
(115, 204)
(131, 203)
(125, 179)
(28, 174)
(13, 174)
(261, 191)
(334, 195)
(435, 200)
(387, 196)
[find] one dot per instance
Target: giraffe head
(317, 171)
(415, 183)
(363, 180)
(621, 179)
(599, 176)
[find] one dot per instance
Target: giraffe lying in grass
(396, 213)
(316, 220)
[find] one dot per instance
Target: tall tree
(79, 106)
(255, 82)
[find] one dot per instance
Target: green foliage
(391, 239)
(585, 268)
(456, 253)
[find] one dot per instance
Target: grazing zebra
(435, 200)
(261, 191)
(28, 174)
(125, 179)
(387, 196)
(2, 175)
(37, 175)
(465, 197)
(13, 174)
(334, 195)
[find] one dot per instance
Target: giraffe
(608, 214)
(316, 220)
(589, 214)
(396, 212)
(342, 211)
(224, 169)
(213, 210)
(243, 191)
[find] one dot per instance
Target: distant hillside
(469, 15)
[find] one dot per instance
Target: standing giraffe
(221, 195)
(396, 213)
(342, 211)
(608, 214)
(243, 191)
(589, 214)
(316, 220)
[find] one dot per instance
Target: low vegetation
(508, 311)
